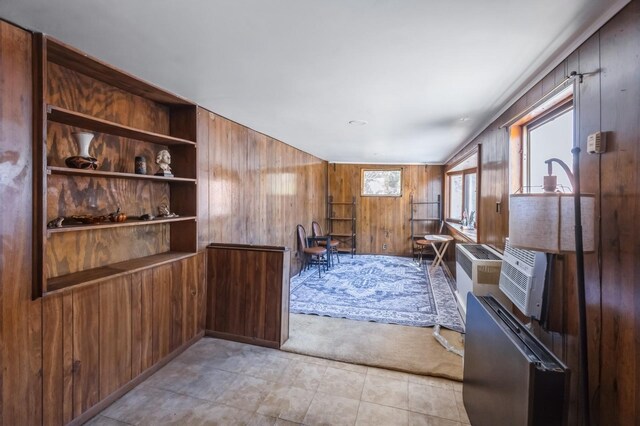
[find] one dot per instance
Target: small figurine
(163, 159)
(56, 223)
(147, 216)
(141, 166)
(117, 216)
(163, 211)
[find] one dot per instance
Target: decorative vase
(141, 166)
(84, 160)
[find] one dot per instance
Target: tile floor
(217, 382)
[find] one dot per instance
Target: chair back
(317, 229)
(302, 238)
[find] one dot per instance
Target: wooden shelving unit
(433, 213)
(339, 214)
(128, 118)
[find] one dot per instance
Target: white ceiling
(300, 70)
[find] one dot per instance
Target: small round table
(439, 244)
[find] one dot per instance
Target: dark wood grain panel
(162, 311)
(179, 286)
(115, 334)
(21, 320)
(78, 92)
(86, 349)
(191, 290)
(103, 247)
(245, 293)
(202, 302)
(384, 220)
(52, 361)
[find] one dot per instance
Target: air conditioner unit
(478, 272)
(522, 279)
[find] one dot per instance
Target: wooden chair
(307, 254)
(330, 244)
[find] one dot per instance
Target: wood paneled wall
(20, 321)
(608, 100)
(385, 220)
(254, 189)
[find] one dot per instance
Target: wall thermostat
(596, 143)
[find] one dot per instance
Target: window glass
(552, 139)
(470, 198)
(455, 197)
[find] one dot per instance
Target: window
(550, 136)
(382, 183)
(544, 132)
(461, 191)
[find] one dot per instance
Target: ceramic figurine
(56, 223)
(147, 216)
(163, 211)
(163, 159)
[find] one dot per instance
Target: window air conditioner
(478, 272)
(522, 279)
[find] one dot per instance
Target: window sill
(467, 235)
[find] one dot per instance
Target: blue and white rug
(388, 289)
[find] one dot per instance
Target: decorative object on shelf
(55, 223)
(84, 160)
(141, 166)
(163, 211)
(147, 216)
(88, 219)
(117, 216)
(163, 159)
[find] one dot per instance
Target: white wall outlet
(384, 246)
(596, 143)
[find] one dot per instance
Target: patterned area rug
(387, 289)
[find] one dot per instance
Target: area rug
(394, 347)
(386, 289)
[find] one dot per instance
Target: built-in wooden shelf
(77, 119)
(429, 219)
(128, 222)
(333, 234)
(344, 204)
(99, 173)
(342, 218)
(95, 275)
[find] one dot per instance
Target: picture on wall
(382, 183)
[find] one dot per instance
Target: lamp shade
(545, 222)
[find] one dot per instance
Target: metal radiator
(510, 377)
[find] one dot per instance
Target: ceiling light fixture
(358, 122)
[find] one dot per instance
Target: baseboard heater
(510, 377)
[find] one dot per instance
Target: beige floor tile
(461, 410)
(287, 403)
(269, 368)
(209, 384)
(379, 415)
(173, 376)
(348, 384)
(386, 391)
(282, 422)
(261, 420)
(457, 386)
(433, 401)
(218, 414)
(150, 406)
(331, 410)
(304, 375)
(431, 381)
(104, 421)
(349, 367)
(417, 419)
(246, 393)
(391, 374)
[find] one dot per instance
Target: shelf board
(99, 173)
(128, 222)
(77, 119)
(425, 220)
(342, 218)
(342, 235)
(92, 276)
(343, 204)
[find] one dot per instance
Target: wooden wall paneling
(202, 290)
(142, 295)
(86, 349)
(230, 278)
(162, 311)
(21, 325)
(178, 287)
(620, 115)
(115, 334)
(52, 361)
(190, 307)
(255, 293)
(204, 120)
(68, 357)
(273, 312)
